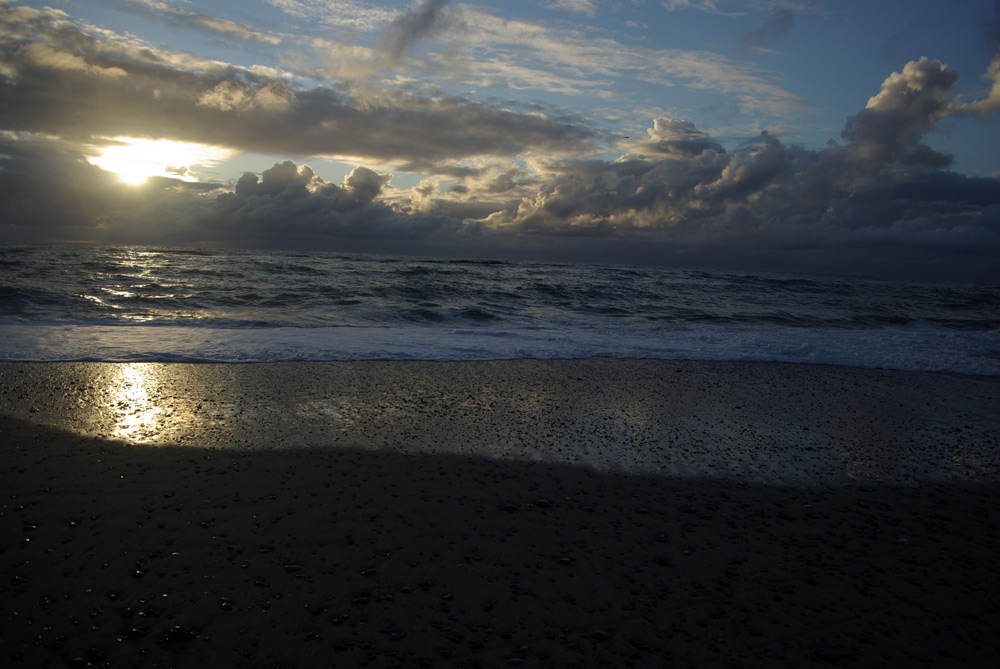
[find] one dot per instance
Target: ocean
(87, 303)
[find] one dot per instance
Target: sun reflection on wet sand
(134, 403)
(784, 424)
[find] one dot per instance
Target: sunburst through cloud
(134, 160)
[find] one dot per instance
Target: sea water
(83, 302)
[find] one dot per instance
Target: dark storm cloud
(885, 189)
(291, 200)
(60, 80)
(765, 192)
(50, 192)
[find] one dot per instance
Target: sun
(135, 159)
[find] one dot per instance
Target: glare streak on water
(336, 302)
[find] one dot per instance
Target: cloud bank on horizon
(690, 132)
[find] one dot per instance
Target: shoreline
(412, 546)
(921, 349)
(785, 423)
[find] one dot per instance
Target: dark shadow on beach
(119, 555)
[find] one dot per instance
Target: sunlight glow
(134, 404)
(134, 160)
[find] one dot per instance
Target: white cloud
(469, 45)
(46, 56)
(184, 18)
(346, 14)
(740, 7)
(233, 95)
(747, 86)
(585, 7)
(568, 61)
(990, 104)
(710, 6)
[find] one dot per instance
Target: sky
(771, 135)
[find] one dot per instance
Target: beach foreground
(349, 514)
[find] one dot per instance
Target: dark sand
(404, 545)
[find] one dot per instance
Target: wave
(84, 287)
(922, 348)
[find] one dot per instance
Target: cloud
(678, 138)
(424, 19)
(585, 7)
(987, 106)
(62, 61)
(290, 200)
(234, 95)
(907, 107)
(479, 48)
(777, 25)
(183, 18)
(348, 14)
(710, 6)
(742, 83)
(63, 80)
(677, 197)
(884, 189)
(289, 204)
(396, 43)
(523, 179)
(741, 7)
(50, 192)
(365, 117)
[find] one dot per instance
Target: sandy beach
(534, 513)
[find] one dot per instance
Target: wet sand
(319, 514)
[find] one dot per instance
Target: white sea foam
(914, 348)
